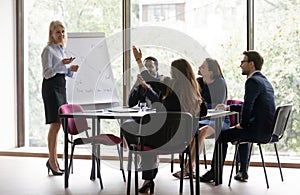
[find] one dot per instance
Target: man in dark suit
(142, 91)
(257, 114)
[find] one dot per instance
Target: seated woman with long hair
(214, 91)
(180, 92)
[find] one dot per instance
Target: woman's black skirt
(54, 95)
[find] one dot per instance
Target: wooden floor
(28, 176)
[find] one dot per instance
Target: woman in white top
(55, 68)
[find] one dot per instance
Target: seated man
(142, 91)
(257, 115)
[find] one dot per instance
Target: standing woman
(55, 68)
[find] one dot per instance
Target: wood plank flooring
(28, 176)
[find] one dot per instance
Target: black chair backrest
(168, 131)
(282, 115)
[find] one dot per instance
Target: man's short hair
(255, 57)
(152, 59)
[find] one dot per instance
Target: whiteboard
(94, 82)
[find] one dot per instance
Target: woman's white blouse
(52, 56)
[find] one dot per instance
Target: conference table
(95, 116)
(217, 116)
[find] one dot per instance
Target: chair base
(262, 160)
(134, 150)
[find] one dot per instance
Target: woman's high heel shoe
(52, 170)
(61, 170)
(148, 186)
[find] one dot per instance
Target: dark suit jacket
(258, 109)
(140, 94)
(171, 102)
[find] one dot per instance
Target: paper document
(97, 110)
(123, 109)
(214, 111)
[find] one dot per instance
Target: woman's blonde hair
(52, 27)
(184, 84)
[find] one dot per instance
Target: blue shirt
(213, 94)
(52, 56)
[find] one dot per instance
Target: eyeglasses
(244, 61)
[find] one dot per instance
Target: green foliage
(276, 37)
(279, 43)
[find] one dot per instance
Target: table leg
(65, 127)
(121, 150)
(218, 165)
(97, 157)
(92, 177)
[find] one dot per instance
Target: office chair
(234, 119)
(173, 132)
(78, 126)
(281, 120)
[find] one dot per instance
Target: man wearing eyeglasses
(142, 91)
(257, 115)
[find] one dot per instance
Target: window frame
(126, 9)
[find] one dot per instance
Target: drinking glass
(143, 106)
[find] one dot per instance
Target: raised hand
(137, 53)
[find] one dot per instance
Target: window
(193, 30)
(169, 29)
(78, 16)
(276, 35)
(205, 23)
(162, 12)
(218, 28)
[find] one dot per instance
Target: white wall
(8, 120)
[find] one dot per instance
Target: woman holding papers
(55, 68)
(180, 92)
